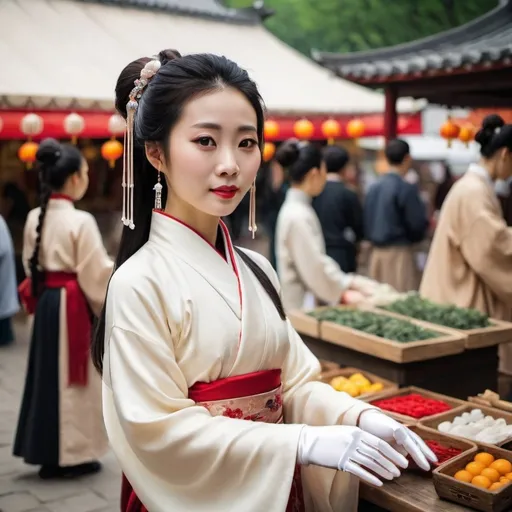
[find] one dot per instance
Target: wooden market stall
(469, 66)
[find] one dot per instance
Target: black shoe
(69, 472)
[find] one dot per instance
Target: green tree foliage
(353, 25)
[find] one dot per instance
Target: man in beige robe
(470, 260)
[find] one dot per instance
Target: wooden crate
(450, 342)
(498, 332)
(434, 421)
(454, 403)
(467, 447)
(304, 323)
(347, 372)
(466, 494)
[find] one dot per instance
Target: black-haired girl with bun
(60, 424)
(210, 398)
(303, 266)
(470, 258)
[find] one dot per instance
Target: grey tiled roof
(199, 8)
(485, 40)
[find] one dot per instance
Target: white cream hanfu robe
(303, 265)
(179, 313)
(470, 258)
(60, 419)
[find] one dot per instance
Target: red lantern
(270, 130)
(269, 150)
(331, 129)
(303, 129)
(449, 131)
(27, 153)
(466, 134)
(356, 128)
(111, 151)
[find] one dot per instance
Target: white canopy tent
(68, 54)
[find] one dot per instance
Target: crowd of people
(195, 376)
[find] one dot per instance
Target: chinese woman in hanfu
(210, 398)
(60, 425)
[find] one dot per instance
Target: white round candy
(445, 426)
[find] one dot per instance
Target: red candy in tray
(413, 405)
(442, 452)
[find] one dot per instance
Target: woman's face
(214, 154)
(318, 179)
(81, 181)
(504, 164)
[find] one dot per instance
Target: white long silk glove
(389, 430)
(350, 449)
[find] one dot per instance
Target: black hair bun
(166, 56)
(489, 126)
(49, 152)
(288, 152)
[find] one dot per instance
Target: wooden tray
(328, 366)
(455, 403)
(498, 332)
(452, 442)
(434, 421)
(451, 342)
(347, 372)
(466, 494)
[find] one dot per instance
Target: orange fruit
(495, 486)
(502, 466)
(509, 476)
(485, 458)
(481, 481)
(504, 480)
(475, 468)
(463, 476)
(491, 474)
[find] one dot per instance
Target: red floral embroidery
(274, 404)
(233, 413)
(253, 417)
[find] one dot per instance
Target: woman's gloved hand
(350, 449)
(364, 285)
(377, 423)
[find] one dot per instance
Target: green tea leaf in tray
(372, 323)
(447, 315)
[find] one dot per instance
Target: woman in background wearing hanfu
(60, 425)
(207, 388)
(470, 258)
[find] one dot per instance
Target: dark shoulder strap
(264, 280)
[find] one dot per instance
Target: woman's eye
(205, 141)
(248, 143)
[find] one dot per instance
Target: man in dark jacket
(395, 218)
(339, 211)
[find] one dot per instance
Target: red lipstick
(225, 192)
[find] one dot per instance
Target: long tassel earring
(252, 210)
(158, 193)
(128, 166)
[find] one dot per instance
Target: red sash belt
(221, 389)
(77, 318)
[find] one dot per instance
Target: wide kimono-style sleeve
(319, 272)
(487, 247)
(175, 454)
(94, 266)
(28, 241)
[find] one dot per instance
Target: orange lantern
(303, 129)
(111, 151)
(1, 124)
(466, 134)
(269, 150)
(74, 125)
(270, 129)
(331, 129)
(27, 153)
(356, 128)
(449, 131)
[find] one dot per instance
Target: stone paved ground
(20, 488)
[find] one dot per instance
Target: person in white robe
(60, 423)
(303, 265)
(210, 398)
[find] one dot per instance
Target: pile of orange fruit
(486, 472)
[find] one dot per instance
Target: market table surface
(412, 492)
(460, 375)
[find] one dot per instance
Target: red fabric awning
(96, 124)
